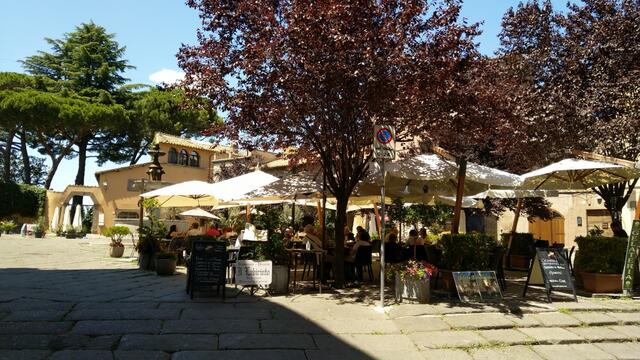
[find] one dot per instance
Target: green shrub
(522, 243)
(7, 226)
(116, 233)
(20, 199)
(599, 254)
(468, 252)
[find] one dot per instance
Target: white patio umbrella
(513, 194)
(77, 218)
(66, 219)
(293, 187)
(55, 219)
(577, 174)
(185, 194)
(239, 186)
(199, 213)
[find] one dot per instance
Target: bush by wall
(22, 200)
(599, 254)
(468, 252)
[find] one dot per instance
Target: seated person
(424, 236)
(287, 239)
(392, 249)
(194, 230)
(392, 232)
(414, 239)
(312, 237)
(173, 232)
(348, 235)
(213, 232)
(363, 239)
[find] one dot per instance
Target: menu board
(208, 264)
(477, 285)
(550, 268)
(253, 273)
(631, 258)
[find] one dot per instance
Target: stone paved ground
(65, 299)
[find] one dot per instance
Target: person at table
(287, 239)
(194, 230)
(414, 239)
(362, 239)
(392, 249)
(392, 232)
(312, 237)
(348, 235)
(618, 231)
(173, 232)
(213, 232)
(424, 236)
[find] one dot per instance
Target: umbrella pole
(247, 213)
(462, 170)
(514, 226)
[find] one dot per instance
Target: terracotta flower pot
(602, 283)
(116, 251)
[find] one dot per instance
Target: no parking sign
(384, 142)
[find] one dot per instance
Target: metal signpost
(384, 148)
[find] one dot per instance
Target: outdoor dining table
(319, 254)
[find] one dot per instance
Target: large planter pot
(165, 267)
(39, 234)
(445, 281)
(520, 262)
(602, 283)
(412, 289)
(279, 279)
(116, 251)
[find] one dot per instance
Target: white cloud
(166, 76)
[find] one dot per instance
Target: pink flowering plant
(413, 269)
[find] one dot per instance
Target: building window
(173, 156)
(195, 159)
(127, 215)
(184, 157)
(131, 185)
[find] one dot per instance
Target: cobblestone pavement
(66, 299)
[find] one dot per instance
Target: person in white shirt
(194, 230)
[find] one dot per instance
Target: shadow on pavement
(131, 314)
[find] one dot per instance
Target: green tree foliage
(20, 199)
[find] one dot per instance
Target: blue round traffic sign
(384, 136)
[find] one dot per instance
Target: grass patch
(565, 311)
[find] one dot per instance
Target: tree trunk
(55, 162)
(341, 221)
(615, 196)
(82, 165)
(26, 162)
(6, 173)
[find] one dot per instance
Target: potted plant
(521, 251)
(149, 242)
(465, 252)
(166, 263)
(274, 250)
(7, 226)
(116, 233)
(70, 233)
(38, 231)
(412, 280)
(600, 261)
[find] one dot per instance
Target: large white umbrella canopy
(514, 194)
(185, 194)
(432, 174)
(55, 219)
(239, 186)
(66, 219)
(77, 218)
(199, 213)
(297, 186)
(577, 174)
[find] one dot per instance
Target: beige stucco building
(116, 197)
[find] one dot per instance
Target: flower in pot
(116, 233)
(412, 280)
(166, 263)
(600, 261)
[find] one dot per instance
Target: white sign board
(384, 142)
(100, 219)
(249, 272)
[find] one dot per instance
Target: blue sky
(152, 31)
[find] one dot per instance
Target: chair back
(392, 253)
(434, 255)
(363, 255)
(421, 253)
(375, 246)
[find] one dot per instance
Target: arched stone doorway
(60, 200)
(551, 230)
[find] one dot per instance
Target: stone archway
(551, 230)
(60, 199)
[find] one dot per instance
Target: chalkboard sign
(631, 258)
(550, 268)
(208, 265)
(477, 285)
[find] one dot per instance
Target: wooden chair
(363, 263)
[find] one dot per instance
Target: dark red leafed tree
(317, 75)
